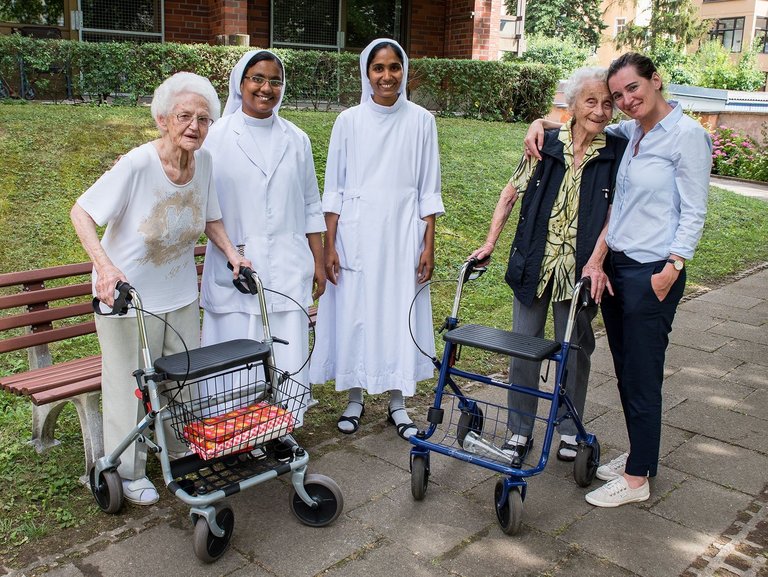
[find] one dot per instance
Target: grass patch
(50, 154)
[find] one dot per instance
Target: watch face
(679, 265)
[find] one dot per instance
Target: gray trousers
(120, 356)
(530, 320)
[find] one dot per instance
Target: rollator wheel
(509, 513)
(469, 421)
(326, 493)
(419, 476)
(207, 546)
(585, 465)
(107, 489)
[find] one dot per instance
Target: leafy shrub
(711, 67)
(123, 70)
(738, 155)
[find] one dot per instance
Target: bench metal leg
(44, 426)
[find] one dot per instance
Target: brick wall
(427, 29)
(485, 38)
(258, 23)
(447, 29)
(190, 21)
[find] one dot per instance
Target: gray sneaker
(613, 469)
(617, 492)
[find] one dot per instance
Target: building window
(729, 31)
(621, 24)
(761, 33)
(322, 24)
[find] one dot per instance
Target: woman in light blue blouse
(655, 224)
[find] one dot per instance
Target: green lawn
(49, 154)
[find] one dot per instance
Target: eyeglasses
(260, 80)
(186, 119)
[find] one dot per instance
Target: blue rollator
(235, 411)
(476, 429)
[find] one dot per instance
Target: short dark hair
(643, 65)
(381, 46)
(259, 57)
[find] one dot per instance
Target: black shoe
(354, 420)
(517, 452)
(565, 457)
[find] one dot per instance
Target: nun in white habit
(270, 203)
(382, 195)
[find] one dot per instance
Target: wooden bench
(51, 314)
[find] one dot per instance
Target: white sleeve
(107, 198)
(430, 199)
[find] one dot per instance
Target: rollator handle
(122, 301)
(244, 281)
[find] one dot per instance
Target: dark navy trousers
(638, 326)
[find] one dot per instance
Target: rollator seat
(504, 342)
(211, 359)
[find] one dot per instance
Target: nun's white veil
(235, 97)
(367, 90)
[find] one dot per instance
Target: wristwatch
(678, 264)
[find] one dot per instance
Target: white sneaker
(617, 492)
(614, 469)
(140, 491)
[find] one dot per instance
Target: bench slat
(45, 316)
(45, 337)
(32, 385)
(89, 366)
(44, 274)
(27, 298)
(67, 391)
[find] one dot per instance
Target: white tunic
(268, 207)
(153, 224)
(382, 178)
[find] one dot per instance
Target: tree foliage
(580, 22)
(672, 21)
(47, 12)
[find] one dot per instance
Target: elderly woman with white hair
(155, 201)
(382, 196)
(566, 201)
(265, 178)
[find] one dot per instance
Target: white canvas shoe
(617, 492)
(613, 469)
(140, 491)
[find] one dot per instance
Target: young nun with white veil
(270, 203)
(381, 198)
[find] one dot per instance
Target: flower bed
(738, 155)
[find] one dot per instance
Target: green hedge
(128, 71)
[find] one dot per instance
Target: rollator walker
(476, 429)
(234, 410)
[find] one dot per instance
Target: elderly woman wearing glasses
(265, 178)
(155, 202)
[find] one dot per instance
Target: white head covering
(235, 98)
(367, 90)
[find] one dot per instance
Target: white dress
(382, 178)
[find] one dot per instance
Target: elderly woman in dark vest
(566, 200)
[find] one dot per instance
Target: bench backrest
(46, 310)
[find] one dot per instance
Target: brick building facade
(442, 28)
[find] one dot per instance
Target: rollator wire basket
(230, 411)
(483, 431)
